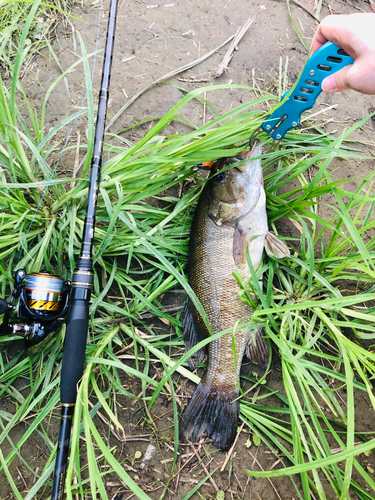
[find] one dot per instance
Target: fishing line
(68, 137)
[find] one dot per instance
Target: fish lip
(256, 150)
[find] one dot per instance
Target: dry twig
(204, 467)
(76, 160)
(306, 10)
(271, 483)
(232, 448)
(145, 316)
(233, 46)
(167, 77)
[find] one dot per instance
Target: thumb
(338, 81)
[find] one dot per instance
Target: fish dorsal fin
(275, 247)
(241, 240)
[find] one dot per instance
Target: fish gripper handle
(327, 60)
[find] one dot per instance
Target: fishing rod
(77, 321)
(42, 301)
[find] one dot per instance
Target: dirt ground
(153, 38)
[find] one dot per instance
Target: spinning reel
(43, 302)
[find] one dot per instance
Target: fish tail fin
(211, 413)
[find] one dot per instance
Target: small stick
(271, 483)
(36, 473)
(231, 449)
(111, 426)
(131, 496)
(178, 400)
(233, 46)
(307, 10)
(21, 477)
(140, 394)
(167, 309)
(204, 108)
(204, 467)
(130, 58)
(333, 106)
(168, 460)
(120, 430)
(167, 77)
(177, 478)
(145, 315)
(76, 161)
(75, 480)
(255, 84)
(184, 465)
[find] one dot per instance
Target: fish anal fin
(241, 239)
(275, 247)
(257, 349)
(192, 334)
(211, 413)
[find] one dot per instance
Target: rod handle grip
(74, 350)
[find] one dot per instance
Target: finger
(340, 30)
(338, 81)
(316, 46)
(318, 40)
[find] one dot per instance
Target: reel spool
(43, 292)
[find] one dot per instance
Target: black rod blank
(78, 318)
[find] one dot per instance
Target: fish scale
(211, 278)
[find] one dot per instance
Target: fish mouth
(251, 168)
(236, 195)
(254, 166)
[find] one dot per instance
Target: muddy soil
(153, 38)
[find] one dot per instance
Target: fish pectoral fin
(241, 240)
(192, 334)
(257, 349)
(275, 247)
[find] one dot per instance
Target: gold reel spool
(43, 292)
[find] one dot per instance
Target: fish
(230, 219)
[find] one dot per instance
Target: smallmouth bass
(230, 219)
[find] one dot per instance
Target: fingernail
(329, 84)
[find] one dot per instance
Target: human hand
(355, 33)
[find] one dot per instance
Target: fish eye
(220, 177)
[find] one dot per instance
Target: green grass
(141, 250)
(38, 32)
